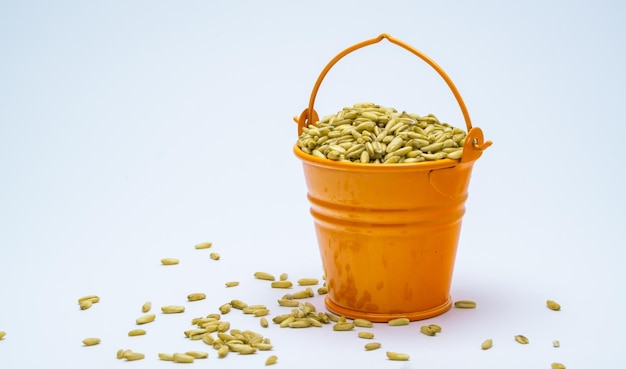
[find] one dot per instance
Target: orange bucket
(388, 233)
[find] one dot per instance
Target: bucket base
(383, 318)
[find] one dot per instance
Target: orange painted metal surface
(388, 233)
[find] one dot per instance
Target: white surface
(129, 131)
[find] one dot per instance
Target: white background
(132, 130)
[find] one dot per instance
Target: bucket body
(387, 234)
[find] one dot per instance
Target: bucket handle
(474, 134)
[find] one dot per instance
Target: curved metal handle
(310, 115)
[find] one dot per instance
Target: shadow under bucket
(388, 233)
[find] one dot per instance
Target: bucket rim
(374, 167)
